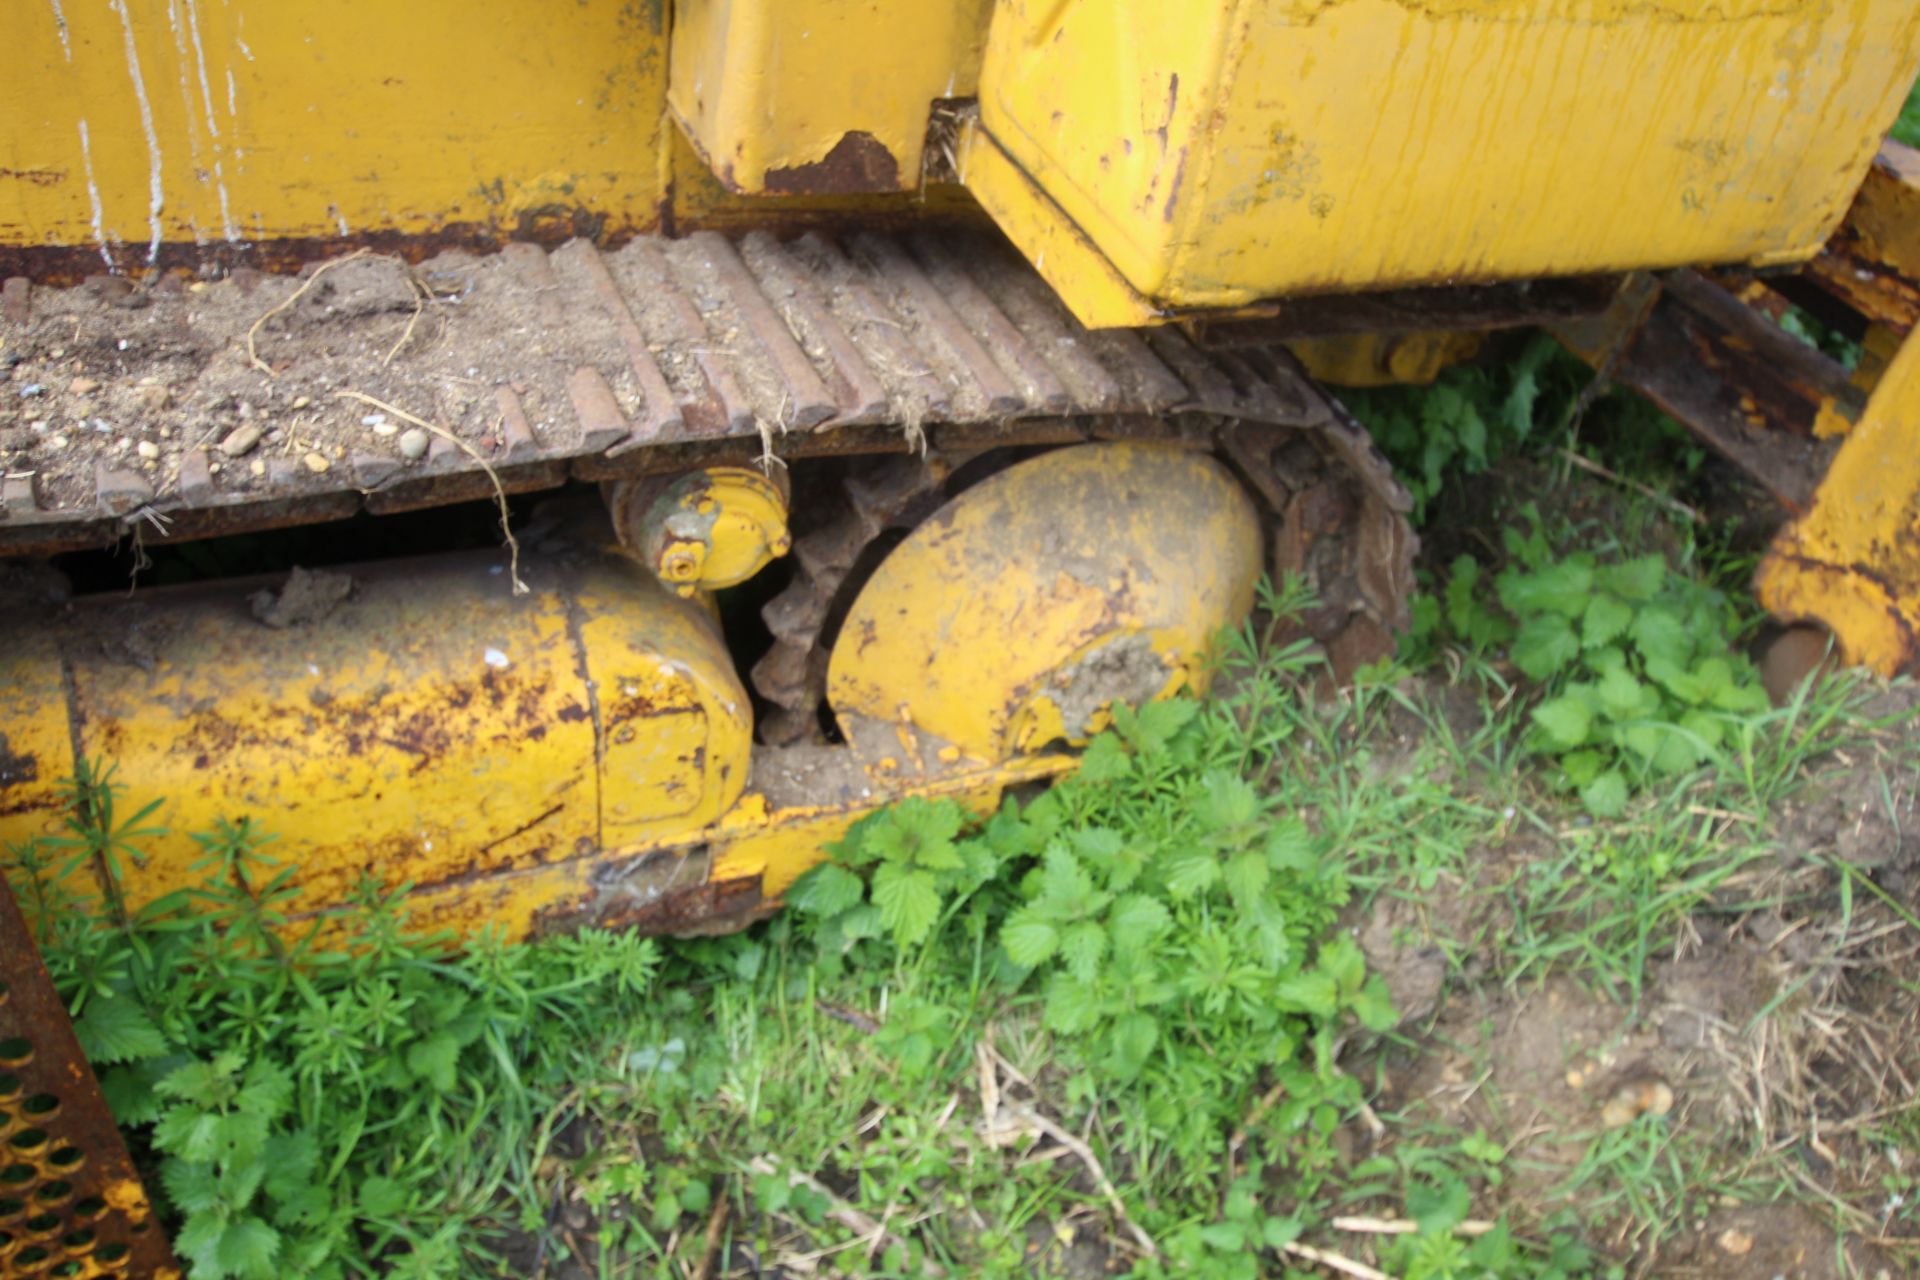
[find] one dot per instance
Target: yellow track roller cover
(413, 721)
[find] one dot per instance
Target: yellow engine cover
(1019, 611)
(1157, 155)
(428, 728)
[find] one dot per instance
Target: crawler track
(127, 409)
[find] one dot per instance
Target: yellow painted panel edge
(1852, 561)
(1097, 294)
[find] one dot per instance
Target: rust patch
(65, 1153)
(1440, 305)
(858, 162)
(548, 226)
(553, 224)
(16, 769)
(38, 177)
(665, 891)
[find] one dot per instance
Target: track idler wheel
(1022, 610)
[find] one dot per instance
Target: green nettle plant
(918, 874)
(1634, 659)
(1149, 903)
(1469, 418)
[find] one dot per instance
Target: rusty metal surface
(70, 1201)
(841, 520)
(1845, 270)
(661, 355)
(667, 891)
(858, 162)
(1491, 306)
(1729, 374)
(1872, 263)
(1782, 383)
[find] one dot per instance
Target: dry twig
(716, 1230)
(253, 356)
(1334, 1262)
(421, 296)
(499, 490)
(1405, 1226)
(1672, 504)
(1047, 1125)
(837, 1209)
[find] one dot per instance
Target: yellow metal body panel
(1220, 154)
(159, 122)
(674, 722)
(810, 97)
(1012, 616)
(1065, 255)
(1852, 562)
(576, 756)
(430, 728)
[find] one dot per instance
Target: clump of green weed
(332, 1099)
(1633, 658)
(917, 873)
(1470, 417)
(1159, 930)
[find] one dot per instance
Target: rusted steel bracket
(70, 1201)
(1762, 398)
(1873, 262)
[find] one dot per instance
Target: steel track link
(884, 494)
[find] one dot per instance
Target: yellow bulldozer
(899, 385)
(990, 337)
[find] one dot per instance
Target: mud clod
(366, 287)
(308, 596)
(1400, 950)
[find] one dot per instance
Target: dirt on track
(134, 376)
